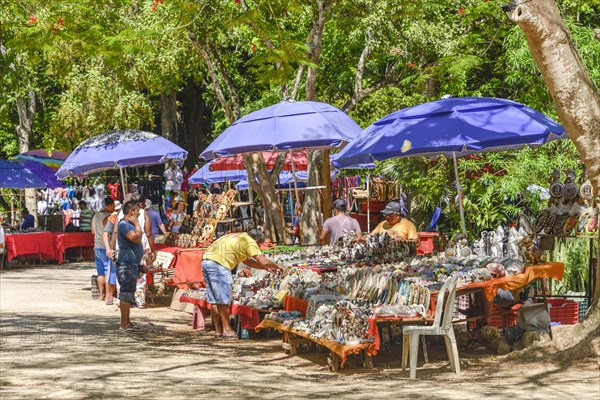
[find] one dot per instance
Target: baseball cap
(117, 205)
(339, 204)
(393, 207)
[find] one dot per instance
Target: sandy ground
(56, 342)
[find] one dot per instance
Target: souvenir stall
(382, 283)
(379, 283)
(36, 241)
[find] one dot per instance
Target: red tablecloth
(69, 240)
(20, 244)
(249, 317)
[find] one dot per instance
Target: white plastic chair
(442, 326)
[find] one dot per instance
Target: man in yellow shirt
(220, 259)
(395, 225)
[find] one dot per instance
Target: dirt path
(55, 342)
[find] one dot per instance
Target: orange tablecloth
(188, 266)
(341, 350)
(374, 330)
(20, 244)
(554, 270)
(70, 240)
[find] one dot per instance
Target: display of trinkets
(194, 294)
(342, 322)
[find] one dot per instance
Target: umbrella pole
(295, 181)
(123, 187)
(368, 204)
(460, 199)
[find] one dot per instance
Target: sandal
(109, 303)
(132, 328)
(230, 337)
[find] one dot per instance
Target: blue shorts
(219, 281)
(127, 275)
(101, 259)
(110, 270)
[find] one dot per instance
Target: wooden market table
(339, 353)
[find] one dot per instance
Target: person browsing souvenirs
(220, 259)
(340, 222)
(396, 223)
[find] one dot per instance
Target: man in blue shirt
(28, 220)
(158, 226)
(131, 252)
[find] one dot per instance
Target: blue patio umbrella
(44, 172)
(15, 176)
(117, 150)
(285, 126)
(453, 127)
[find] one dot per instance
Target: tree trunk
(309, 223)
(26, 112)
(309, 227)
(578, 105)
(168, 115)
(574, 93)
(196, 120)
(275, 225)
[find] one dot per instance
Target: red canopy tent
(235, 163)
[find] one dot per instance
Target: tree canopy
(96, 65)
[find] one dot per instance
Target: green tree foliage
(101, 64)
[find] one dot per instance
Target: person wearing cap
(396, 224)
(28, 220)
(97, 227)
(158, 226)
(340, 222)
(218, 261)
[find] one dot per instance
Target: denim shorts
(127, 275)
(101, 258)
(219, 281)
(110, 270)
